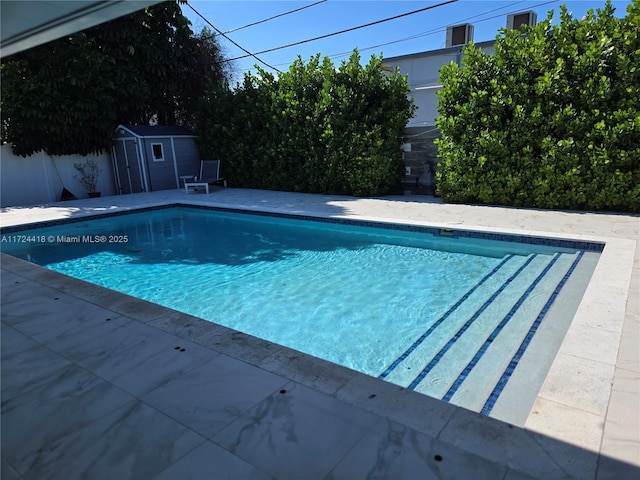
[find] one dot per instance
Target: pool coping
(577, 418)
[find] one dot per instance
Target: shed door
(128, 166)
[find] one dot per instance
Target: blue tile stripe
(506, 375)
(434, 361)
(438, 322)
(435, 231)
(496, 331)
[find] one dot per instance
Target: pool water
(437, 314)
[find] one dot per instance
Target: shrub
(314, 129)
(550, 121)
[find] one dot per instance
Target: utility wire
(275, 16)
(346, 30)
(432, 31)
(249, 54)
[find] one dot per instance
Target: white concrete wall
(34, 180)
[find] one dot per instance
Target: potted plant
(89, 174)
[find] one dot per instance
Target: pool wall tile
(406, 227)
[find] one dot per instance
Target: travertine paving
(96, 384)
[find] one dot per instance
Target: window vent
(459, 34)
(515, 21)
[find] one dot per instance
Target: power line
(346, 30)
(275, 16)
(249, 54)
(433, 31)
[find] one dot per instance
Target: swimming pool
(436, 311)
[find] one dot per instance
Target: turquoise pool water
(410, 307)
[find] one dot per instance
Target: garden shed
(148, 158)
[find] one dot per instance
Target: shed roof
(158, 131)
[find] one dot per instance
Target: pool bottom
(366, 391)
(513, 405)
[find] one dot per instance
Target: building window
(158, 153)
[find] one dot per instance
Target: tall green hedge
(314, 128)
(552, 120)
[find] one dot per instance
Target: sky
(413, 33)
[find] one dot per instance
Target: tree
(315, 128)
(551, 120)
(62, 107)
(67, 96)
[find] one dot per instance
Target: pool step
(465, 353)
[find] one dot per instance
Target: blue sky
(414, 33)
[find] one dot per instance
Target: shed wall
(188, 156)
(181, 156)
(162, 175)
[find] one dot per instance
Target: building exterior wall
(40, 178)
(423, 75)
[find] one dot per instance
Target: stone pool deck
(97, 384)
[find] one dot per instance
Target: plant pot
(93, 194)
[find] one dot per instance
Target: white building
(423, 72)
